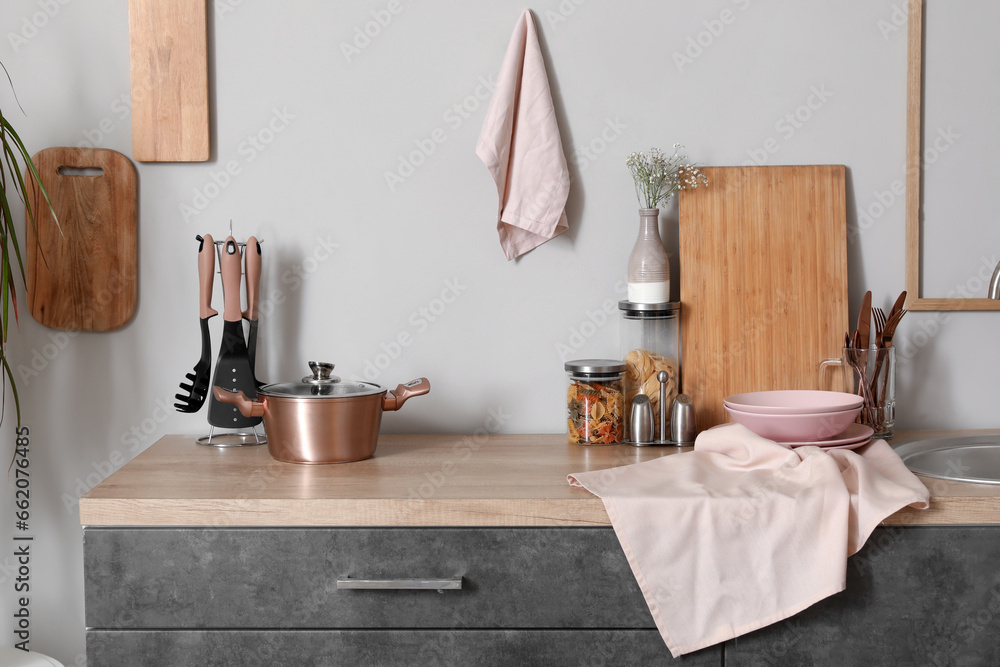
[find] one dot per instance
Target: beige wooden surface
(763, 252)
(82, 275)
(168, 54)
(413, 480)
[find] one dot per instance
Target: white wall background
(102, 398)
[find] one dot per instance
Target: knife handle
(206, 277)
(253, 262)
(231, 277)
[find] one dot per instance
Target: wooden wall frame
(914, 149)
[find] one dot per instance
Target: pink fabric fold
(521, 147)
(744, 532)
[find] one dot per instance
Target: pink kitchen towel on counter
(521, 147)
(743, 532)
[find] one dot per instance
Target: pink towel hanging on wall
(521, 147)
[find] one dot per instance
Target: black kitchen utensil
(197, 390)
(232, 370)
(252, 261)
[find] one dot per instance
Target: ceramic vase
(648, 265)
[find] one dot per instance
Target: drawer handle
(401, 584)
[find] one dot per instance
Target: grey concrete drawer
(360, 648)
(277, 578)
(915, 596)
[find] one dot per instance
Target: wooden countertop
(415, 480)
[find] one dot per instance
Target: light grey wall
(962, 137)
(373, 257)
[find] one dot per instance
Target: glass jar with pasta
(650, 340)
(595, 401)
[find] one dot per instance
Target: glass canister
(595, 401)
(650, 343)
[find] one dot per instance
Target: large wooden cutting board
(763, 261)
(168, 53)
(84, 278)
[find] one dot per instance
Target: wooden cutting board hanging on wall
(763, 261)
(168, 53)
(84, 278)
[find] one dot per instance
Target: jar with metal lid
(595, 401)
(650, 343)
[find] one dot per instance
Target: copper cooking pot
(322, 419)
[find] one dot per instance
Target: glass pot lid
(322, 383)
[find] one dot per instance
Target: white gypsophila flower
(658, 177)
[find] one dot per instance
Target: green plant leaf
(13, 391)
(12, 230)
(15, 169)
(13, 152)
(31, 167)
(7, 229)
(9, 296)
(10, 82)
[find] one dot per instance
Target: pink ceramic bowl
(796, 428)
(793, 402)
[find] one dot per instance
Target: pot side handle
(247, 407)
(393, 400)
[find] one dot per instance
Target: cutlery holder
(871, 374)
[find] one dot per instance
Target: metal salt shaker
(682, 426)
(641, 424)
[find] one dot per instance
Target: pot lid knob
(322, 373)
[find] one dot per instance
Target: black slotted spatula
(232, 370)
(197, 385)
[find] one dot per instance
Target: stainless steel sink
(970, 458)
